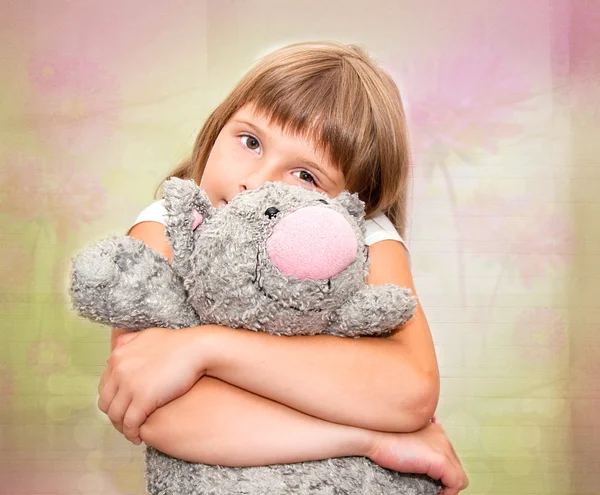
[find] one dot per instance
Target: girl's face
(249, 152)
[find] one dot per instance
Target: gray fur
(221, 274)
(356, 317)
(122, 283)
(341, 476)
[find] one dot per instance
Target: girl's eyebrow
(250, 124)
(301, 159)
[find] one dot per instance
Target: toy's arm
(123, 283)
(374, 311)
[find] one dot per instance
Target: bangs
(339, 122)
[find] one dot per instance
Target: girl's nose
(313, 243)
(255, 180)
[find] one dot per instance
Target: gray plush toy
(279, 259)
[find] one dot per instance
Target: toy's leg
(344, 476)
(375, 310)
(123, 283)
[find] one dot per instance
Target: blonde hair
(335, 95)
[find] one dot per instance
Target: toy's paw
(123, 283)
(96, 266)
(376, 310)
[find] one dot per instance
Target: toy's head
(279, 258)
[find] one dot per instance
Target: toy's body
(341, 476)
(278, 259)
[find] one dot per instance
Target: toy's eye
(323, 201)
(271, 212)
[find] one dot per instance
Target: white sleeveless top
(377, 228)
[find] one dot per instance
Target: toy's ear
(185, 196)
(187, 207)
(352, 203)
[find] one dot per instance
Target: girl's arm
(217, 423)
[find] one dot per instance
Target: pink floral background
(101, 99)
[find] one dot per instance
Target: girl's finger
(118, 408)
(104, 378)
(134, 418)
(108, 389)
(454, 480)
(447, 467)
(444, 470)
(461, 478)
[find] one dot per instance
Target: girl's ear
(187, 208)
(352, 203)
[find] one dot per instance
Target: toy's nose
(313, 243)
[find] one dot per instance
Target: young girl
(321, 116)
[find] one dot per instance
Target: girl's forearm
(371, 383)
(217, 423)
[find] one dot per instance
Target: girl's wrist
(378, 448)
(206, 345)
(362, 442)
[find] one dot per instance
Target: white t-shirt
(377, 228)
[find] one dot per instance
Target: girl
(321, 116)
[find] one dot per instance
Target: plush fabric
(278, 259)
(346, 475)
(321, 236)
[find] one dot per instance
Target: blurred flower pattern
(516, 232)
(75, 101)
(66, 197)
(452, 110)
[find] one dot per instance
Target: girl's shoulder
(153, 213)
(377, 227)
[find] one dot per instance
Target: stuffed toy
(279, 259)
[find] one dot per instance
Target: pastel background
(99, 99)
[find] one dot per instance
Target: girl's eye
(250, 142)
(306, 177)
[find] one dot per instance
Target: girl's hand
(146, 370)
(427, 451)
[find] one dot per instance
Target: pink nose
(313, 243)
